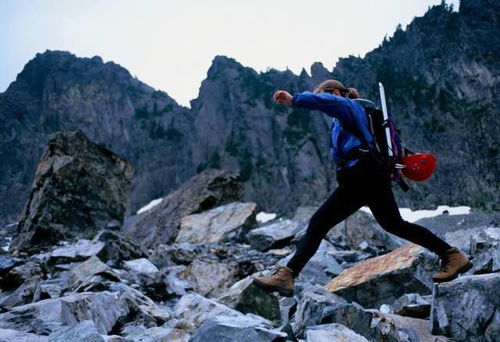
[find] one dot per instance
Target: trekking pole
(390, 152)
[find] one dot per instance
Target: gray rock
(413, 305)
(362, 227)
(274, 235)
(9, 335)
(160, 334)
(466, 309)
(229, 222)
(91, 274)
(311, 305)
(176, 254)
(141, 266)
(242, 329)
(28, 271)
(142, 309)
(7, 263)
(321, 267)
(22, 295)
(485, 251)
(332, 332)
(79, 187)
(78, 251)
(49, 315)
(194, 310)
(245, 297)
(209, 277)
(347, 259)
(383, 279)
(209, 189)
(85, 331)
(52, 288)
(117, 248)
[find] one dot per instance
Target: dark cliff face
(440, 74)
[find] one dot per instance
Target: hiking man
(362, 181)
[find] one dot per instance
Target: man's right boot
(281, 280)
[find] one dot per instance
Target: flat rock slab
(467, 309)
(241, 329)
(383, 279)
(228, 222)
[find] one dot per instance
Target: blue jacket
(346, 114)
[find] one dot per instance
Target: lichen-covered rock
(229, 222)
(467, 308)
(79, 187)
(383, 279)
(242, 329)
(207, 190)
(274, 235)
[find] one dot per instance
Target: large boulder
(383, 279)
(207, 190)
(229, 222)
(79, 188)
(467, 309)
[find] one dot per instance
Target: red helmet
(419, 167)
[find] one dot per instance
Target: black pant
(366, 183)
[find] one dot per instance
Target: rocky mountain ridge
(441, 77)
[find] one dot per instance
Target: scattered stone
(9, 335)
(22, 295)
(332, 332)
(18, 275)
(49, 315)
(160, 334)
(194, 309)
(85, 331)
(117, 248)
(141, 266)
(78, 188)
(52, 288)
(245, 297)
(90, 274)
(241, 329)
(275, 235)
(207, 190)
(311, 305)
(182, 253)
(209, 277)
(383, 279)
(413, 305)
(347, 259)
(7, 263)
(78, 251)
(466, 308)
(230, 222)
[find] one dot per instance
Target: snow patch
(263, 217)
(150, 205)
(412, 216)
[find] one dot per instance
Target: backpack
(377, 126)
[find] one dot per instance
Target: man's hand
(282, 97)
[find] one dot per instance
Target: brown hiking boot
(281, 280)
(453, 263)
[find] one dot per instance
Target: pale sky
(170, 44)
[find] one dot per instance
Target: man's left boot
(453, 263)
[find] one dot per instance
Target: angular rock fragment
(160, 334)
(229, 222)
(485, 250)
(49, 315)
(90, 275)
(9, 335)
(207, 190)
(413, 305)
(78, 188)
(78, 251)
(245, 297)
(467, 308)
(117, 248)
(274, 235)
(141, 266)
(383, 279)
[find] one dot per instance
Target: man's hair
(329, 86)
(353, 93)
